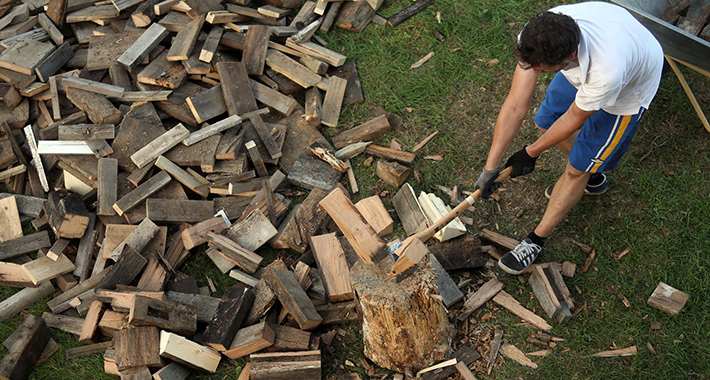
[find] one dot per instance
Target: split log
(405, 326)
(67, 215)
(189, 353)
(33, 336)
(286, 365)
(228, 318)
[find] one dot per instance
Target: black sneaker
(515, 261)
(597, 185)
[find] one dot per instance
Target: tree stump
(405, 326)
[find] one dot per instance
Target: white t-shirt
(620, 61)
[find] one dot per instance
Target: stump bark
(405, 326)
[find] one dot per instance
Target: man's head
(548, 42)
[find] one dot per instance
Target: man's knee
(575, 174)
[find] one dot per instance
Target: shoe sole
(509, 270)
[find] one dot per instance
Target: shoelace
(524, 251)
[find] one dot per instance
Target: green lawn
(658, 203)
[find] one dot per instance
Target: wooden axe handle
(463, 206)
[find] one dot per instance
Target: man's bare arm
(511, 114)
(561, 129)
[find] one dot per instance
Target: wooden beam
(91, 322)
(236, 88)
(330, 257)
(298, 73)
(376, 215)
(178, 210)
(668, 299)
(142, 192)
(160, 145)
(96, 106)
(185, 40)
(136, 347)
(293, 298)
(370, 130)
(140, 49)
(32, 337)
(211, 130)
(23, 299)
(286, 365)
(251, 339)
(166, 315)
(247, 260)
(187, 352)
(231, 312)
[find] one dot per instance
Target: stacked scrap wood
(691, 18)
(133, 132)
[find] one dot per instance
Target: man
(608, 71)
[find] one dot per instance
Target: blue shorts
(603, 138)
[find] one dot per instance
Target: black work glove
(521, 162)
(487, 182)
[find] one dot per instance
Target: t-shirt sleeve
(594, 95)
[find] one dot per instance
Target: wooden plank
(251, 339)
(408, 12)
(330, 257)
(126, 269)
(211, 130)
(137, 347)
(105, 50)
(266, 138)
(498, 239)
(96, 13)
(319, 52)
(86, 132)
(142, 46)
(369, 130)
(333, 101)
(178, 211)
(272, 98)
(304, 222)
(256, 159)
(286, 365)
(253, 231)
(293, 298)
(211, 44)
(668, 299)
(24, 244)
(309, 172)
(107, 189)
(189, 353)
(376, 215)
(206, 305)
(44, 268)
(390, 154)
(460, 253)
(96, 106)
(290, 339)
(257, 44)
(298, 73)
(160, 145)
(450, 293)
(81, 351)
(207, 104)
(181, 176)
(54, 62)
(172, 371)
(61, 303)
(245, 259)
(13, 58)
(66, 214)
(10, 219)
(23, 299)
(166, 315)
(480, 297)
(512, 305)
(230, 314)
(32, 337)
(164, 73)
(92, 86)
(142, 192)
(361, 236)
(185, 40)
(91, 322)
(195, 235)
(236, 88)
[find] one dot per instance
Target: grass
(658, 204)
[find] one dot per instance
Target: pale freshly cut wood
(424, 142)
(319, 52)
(44, 268)
(10, 220)
(480, 297)
(330, 112)
(195, 235)
(185, 40)
(189, 353)
(298, 73)
(376, 215)
(142, 192)
(211, 130)
(50, 147)
(23, 299)
(498, 239)
(435, 209)
(352, 150)
(160, 145)
(390, 154)
(91, 322)
(36, 160)
(361, 236)
(513, 353)
(369, 130)
(330, 257)
(140, 49)
(628, 351)
(243, 277)
(668, 299)
(512, 305)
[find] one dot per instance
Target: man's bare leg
(565, 194)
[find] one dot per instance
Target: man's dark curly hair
(547, 39)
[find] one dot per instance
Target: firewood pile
(134, 133)
(692, 19)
